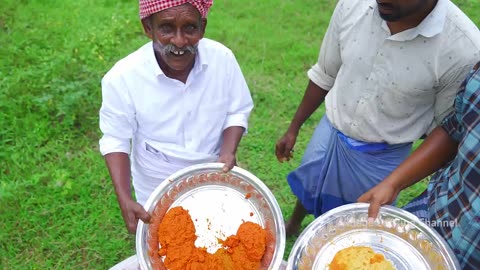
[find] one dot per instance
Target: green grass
(57, 206)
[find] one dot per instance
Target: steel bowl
(400, 236)
(218, 203)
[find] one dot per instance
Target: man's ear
(147, 27)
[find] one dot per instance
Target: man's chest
(406, 67)
(175, 104)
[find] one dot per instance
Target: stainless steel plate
(218, 204)
(400, 236)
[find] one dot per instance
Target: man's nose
(179, 39)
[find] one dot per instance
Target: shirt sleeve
(324, 72)
(117, 117)
(455, 123)
(240, 103)
(450, 83)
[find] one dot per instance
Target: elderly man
(388, 71)
(179, 100)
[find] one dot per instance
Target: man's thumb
(143, 215)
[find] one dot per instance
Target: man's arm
(436, 151)
(322, 77)
(313, 97)
(231, 139)
(119, 168)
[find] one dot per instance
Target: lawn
(57, 205)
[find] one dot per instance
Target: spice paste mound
(176, 235)
(359, 258)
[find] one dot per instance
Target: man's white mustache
(170, 48)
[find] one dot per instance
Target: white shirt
(393, 88)
(172, 124)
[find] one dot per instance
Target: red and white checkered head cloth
(149, 7)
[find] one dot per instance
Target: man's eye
(190, 28)
(166, 28)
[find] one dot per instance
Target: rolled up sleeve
(109, 144)
(117, 117)
(240, 101)
(324, 72)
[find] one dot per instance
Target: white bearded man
(179, 100)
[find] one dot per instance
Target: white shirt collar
(431, 26)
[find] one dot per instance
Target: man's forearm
(313, 97)
(436, 151)
(119, 168)
(231, 139)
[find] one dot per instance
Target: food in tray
(176, 235)
(359, 258)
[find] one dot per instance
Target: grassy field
(57, 206)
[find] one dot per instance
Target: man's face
(175, 33)
(395, 10)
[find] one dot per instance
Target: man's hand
(284, 146)
(132, 212)
(229, 160)
(379, 195)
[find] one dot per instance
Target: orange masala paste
(176, 235)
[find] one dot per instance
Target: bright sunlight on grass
(57, 205)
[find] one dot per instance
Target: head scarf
(149, 7)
